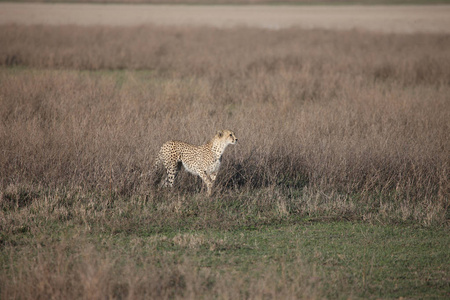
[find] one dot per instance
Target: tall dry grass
(351, 112)
(330, 124)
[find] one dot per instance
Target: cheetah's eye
(231, 134)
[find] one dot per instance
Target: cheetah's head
(227, 136)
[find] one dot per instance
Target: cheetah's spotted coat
(203, 160)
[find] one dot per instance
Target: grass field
(338, 187)
(385, 18)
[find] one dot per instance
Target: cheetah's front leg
(213, 176)
(205, 177)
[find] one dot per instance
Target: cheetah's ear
(219, 133)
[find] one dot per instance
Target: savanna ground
(338, 187)
(411, 18)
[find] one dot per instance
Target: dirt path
(432, 18)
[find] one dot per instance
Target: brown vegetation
(342, 125)
(74, 269)
(348, 111)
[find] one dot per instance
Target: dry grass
(74, 244)
(348, 112)
(330, 125)
(73, 269)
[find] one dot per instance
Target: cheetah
(203, 160)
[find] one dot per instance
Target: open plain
(382, 18)
(338, 187)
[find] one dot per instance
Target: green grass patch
(216, 249)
